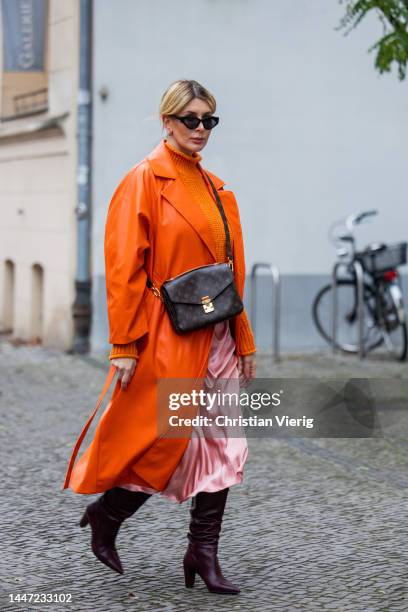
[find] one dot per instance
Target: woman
(163, 220)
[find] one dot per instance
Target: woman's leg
(207, 510)
(105, 516)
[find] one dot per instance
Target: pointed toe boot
(104, 531)
(105, 516)
(201, 558)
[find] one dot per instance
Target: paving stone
(317, 524)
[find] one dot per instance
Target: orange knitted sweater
(192, 177)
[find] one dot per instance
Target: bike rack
(276, 291)
(358, 269)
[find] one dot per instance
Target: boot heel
(189, 576)
(84, 520)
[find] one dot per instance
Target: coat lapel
(178, 195)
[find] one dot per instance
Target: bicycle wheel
(348, 324)
(393, 322)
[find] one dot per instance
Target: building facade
(38, 175)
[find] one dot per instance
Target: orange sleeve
(245, 342)
(124, 350)
(126, 241)
(240, 325)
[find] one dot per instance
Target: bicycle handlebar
(363, 215)
(349, 222)
(356, 218)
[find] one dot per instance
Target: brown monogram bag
(205, 295)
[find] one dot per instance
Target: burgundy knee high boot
(105, 516)
(206, 512)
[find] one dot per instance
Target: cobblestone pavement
(317, 524)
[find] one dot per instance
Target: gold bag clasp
(207, 304)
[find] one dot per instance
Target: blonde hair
(180, 93)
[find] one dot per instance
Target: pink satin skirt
(213, 461)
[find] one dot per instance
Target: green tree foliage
(393, 46)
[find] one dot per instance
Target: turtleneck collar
(193, 159)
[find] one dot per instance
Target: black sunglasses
(192, 122)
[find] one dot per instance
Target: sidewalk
(322, 363)
(317, 524)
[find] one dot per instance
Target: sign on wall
(24, 33)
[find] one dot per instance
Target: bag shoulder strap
(224, 219)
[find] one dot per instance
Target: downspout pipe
(82, 306)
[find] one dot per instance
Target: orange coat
(151, 229)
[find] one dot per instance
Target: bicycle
(384, 311)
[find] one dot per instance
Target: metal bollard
(276, 294)
(360, 305)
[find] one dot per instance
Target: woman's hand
(126, 366)
(247, 368)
